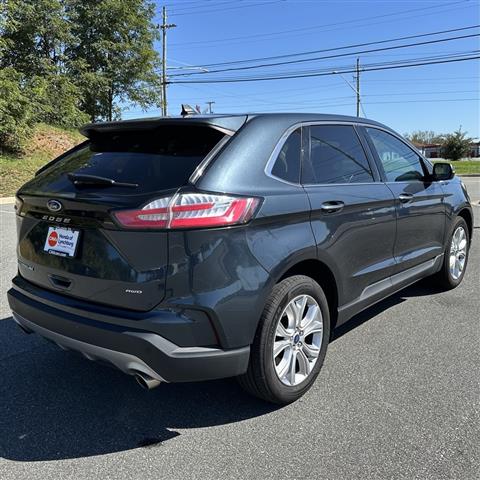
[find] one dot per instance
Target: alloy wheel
(458, 253)
(298, 339)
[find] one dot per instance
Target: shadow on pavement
(56, 405)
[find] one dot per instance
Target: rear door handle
(405, 197)
(331, 207)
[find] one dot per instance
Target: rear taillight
(190, 210)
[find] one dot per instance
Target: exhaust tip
(146, 382)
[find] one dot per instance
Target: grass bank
(47, 142)
(464, 167)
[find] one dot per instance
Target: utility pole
(210, 106)
(164, 28)
(358, 87)
(356, 90)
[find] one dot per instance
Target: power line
(337, 86)
(346, 68)
(225, 94)
(183, 8)
(315, 27)
(325, 105)
(366, 68)
(227, 8)
(343, 47)
(325, 57)
(331, 99)
(335, 104)
(474, 78)
(169, 5)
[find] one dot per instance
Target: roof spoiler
(228, 124)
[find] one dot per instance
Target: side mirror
(442, 171)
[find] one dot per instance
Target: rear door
(419, 201)
(353, 214)
(68, 239)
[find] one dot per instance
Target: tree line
(453, 146)
(67, 62)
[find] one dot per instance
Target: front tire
(290, 343)
(455, 257)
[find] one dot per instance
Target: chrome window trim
(201, 167)
(339, 184)
(276, 151)
(274, 155)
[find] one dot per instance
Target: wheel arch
(324, 276)
(466, 214)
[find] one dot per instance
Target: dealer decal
(61, 241)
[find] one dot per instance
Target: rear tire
(456, 256)
(296, 323)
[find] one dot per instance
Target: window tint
(287, 165)
(336, 156)
(155, 159)
(400, 162)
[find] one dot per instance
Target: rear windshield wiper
(80, 179)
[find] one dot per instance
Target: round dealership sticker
(52, 239)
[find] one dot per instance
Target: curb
(469, 175)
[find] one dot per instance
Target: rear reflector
(190, 210)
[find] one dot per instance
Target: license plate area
(62, 241)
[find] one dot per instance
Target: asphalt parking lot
(398, 397)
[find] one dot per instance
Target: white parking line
(11, 212)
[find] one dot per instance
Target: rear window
(155, 159)
(287, 165)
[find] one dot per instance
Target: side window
(287, 165)
(399, 161)
(336, 156)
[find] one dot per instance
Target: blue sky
(434, 97)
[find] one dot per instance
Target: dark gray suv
(182, 249)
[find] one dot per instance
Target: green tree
(456, 145)
(113, 55)
(64, 62)
(58, 101)
(34, 38)
(35, 34)
(17, 111)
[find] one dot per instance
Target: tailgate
(109, 266)
(67, 238)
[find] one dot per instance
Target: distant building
(475, 150)
(434, 150)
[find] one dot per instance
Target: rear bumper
(130, 349)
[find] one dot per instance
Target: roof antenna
(187, 110)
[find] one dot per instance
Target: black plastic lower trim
(172, 362)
